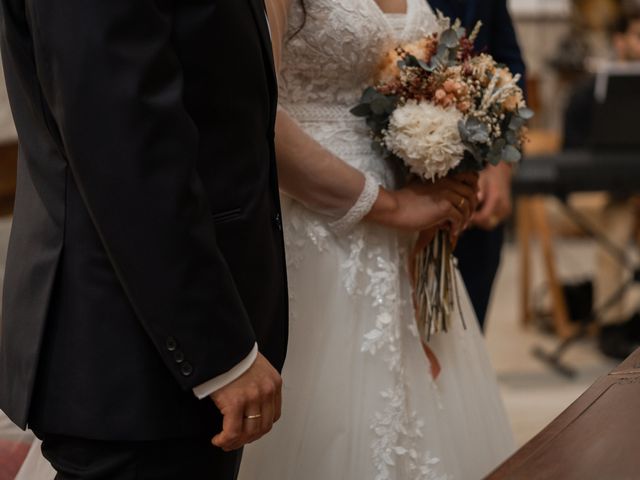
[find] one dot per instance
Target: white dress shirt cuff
(205, 389)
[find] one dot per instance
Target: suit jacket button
(171, 344)
(278, 221)
(186, 369)
(178, 356)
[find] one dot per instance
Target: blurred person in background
(619, 218)
(625, 48)
(498, 38)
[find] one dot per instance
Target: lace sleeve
(360, 209)
(308, 172)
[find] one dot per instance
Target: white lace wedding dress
(359, 401)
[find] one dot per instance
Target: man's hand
(250, 405)
(495, 197)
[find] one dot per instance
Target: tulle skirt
(359, 400)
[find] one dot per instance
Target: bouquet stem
(435, 282)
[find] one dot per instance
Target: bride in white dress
(360, 402)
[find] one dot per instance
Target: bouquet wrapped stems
(436, 293)
(440, 106)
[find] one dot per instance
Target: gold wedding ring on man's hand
(253, 417)
(461, 204)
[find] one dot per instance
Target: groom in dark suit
(145, 303)
(480, 247)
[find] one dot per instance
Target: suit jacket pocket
(227, 215)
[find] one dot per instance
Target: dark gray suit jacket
(146, 255)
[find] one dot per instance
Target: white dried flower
(426, 137)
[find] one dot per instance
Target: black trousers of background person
(179, 459)
(478, 253)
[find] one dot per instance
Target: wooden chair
(532, 222)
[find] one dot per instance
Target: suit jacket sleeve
(503, 42)
(114, 84)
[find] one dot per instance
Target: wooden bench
(595, 438)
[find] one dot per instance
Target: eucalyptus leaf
(464, 132)
(526, 113)
(511, 137)
(442, 52)
(369, 94)
(377, 123)
(453, 57)
(379, 105)
(391, 104)
(449, 38)
(498, 146)
(473, 123)
(479, 137)
(493, 158)
(516, 122)
(362, 110)
(425, 66)
(475, 131)
(495, 152)
(374, 123)
(511, 154)
(441, 58)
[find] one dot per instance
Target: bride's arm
(324, 183)
(311, 174)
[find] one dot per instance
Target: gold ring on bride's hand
(253, 417)
(461, 204)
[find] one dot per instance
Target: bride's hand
(424, 205)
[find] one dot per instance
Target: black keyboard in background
(578, 171)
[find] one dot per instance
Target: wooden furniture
(532, 222)
(595, 438)
(8, 157)
(559, 174)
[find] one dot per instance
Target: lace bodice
(335, 54)
(327, 64)
(398, 22)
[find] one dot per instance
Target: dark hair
(623, 22)
(304, 20)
